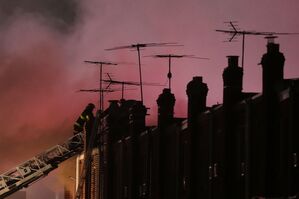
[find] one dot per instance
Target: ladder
(39, 166)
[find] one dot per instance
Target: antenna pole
(140, 75)
(138, 46)
(101, 89)
(122, 90)
(169, 75)
(243, 49)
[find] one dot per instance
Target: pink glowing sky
(42, 52)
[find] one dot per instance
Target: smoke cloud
(59, 14)
(43, 45)
(37, 81)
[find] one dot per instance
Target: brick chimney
(232, 94)
(166, 102)
(232, 82)
(197, 96)
(272, 63)
(113, 120)
(137, 114)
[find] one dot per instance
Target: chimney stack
(197, 96)
(232, 94)
(113, 120)
(232, 82)
(272, 64)
(137, 113)
(166, 102)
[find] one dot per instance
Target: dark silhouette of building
(246, 147)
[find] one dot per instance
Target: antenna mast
(101, 64)
(138, 47)
(170, 56)
(234, 31)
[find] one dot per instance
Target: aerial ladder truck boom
(39, 166)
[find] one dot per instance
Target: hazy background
(43, 44)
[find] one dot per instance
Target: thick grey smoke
(60, 14)
(38, 79)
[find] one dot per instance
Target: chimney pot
(197, 78)
(233, 60)
(197, 94)
(166, 102)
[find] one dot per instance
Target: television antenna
(97, 90)
(103, 90)
(138, 47)
(235, 31)
(101, 64)
(123, 83)
(170, 56)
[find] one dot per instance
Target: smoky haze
(43, 44)
(37, 78)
